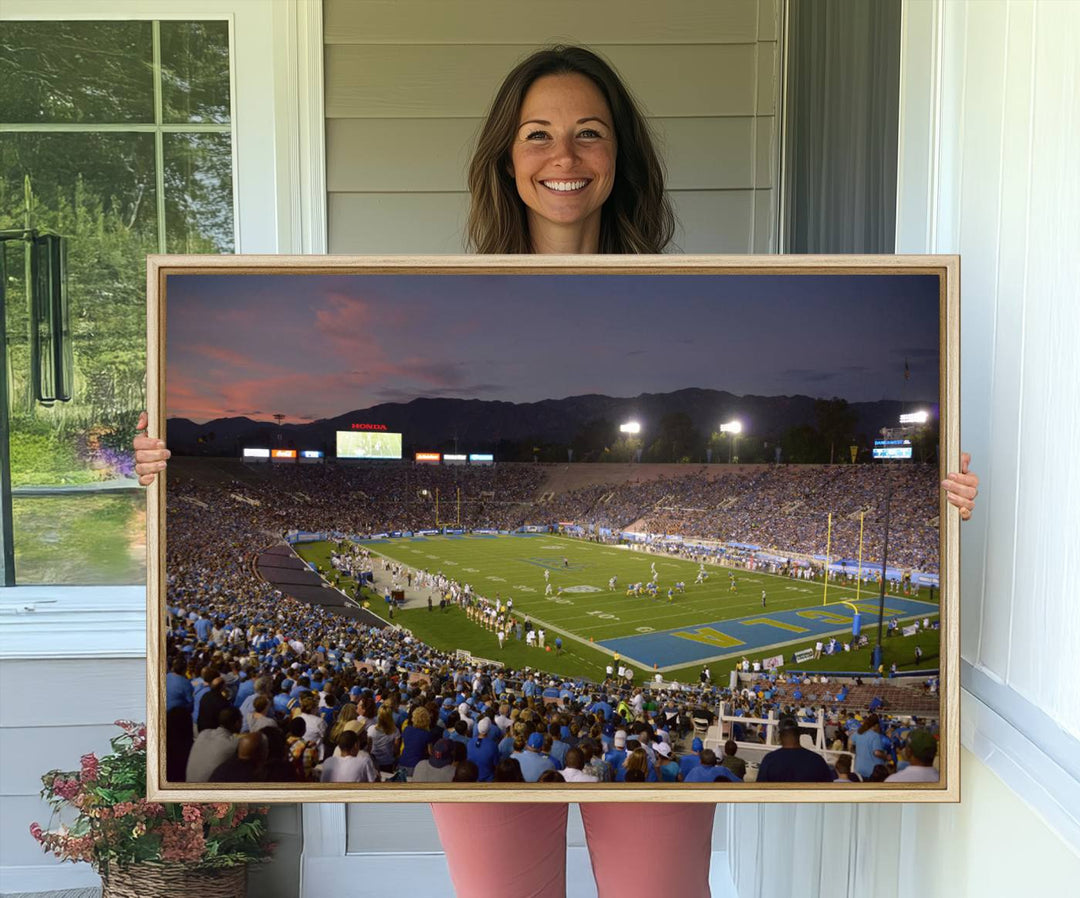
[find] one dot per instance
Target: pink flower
(192, 813)
(181, 842)
(65, 788)
(219, 809)
(37, 832)
(89, 768)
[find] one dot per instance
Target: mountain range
(476, 425)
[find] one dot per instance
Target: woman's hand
(962, 488)
(150, 454)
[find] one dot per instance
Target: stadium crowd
(781, 508)
(263, 687)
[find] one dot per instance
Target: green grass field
(588, 609)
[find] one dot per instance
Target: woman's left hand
(962, 487)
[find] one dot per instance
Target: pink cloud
(347, 323)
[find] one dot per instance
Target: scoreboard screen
(892, 448)
(368, 444)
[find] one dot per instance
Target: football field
(710, 621)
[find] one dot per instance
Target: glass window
(76, 72)
(198, 193)
(117, 136)
(195, 72)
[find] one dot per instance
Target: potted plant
(143, 848)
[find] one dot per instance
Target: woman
(345, 715)
(415, 739)
(384, 739)
(565, 164)
(637, 762)
(867, 745)
(368, 711)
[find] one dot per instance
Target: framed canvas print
(543, 528)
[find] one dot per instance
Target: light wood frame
(947, 268)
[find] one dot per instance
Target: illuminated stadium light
(311, 453)
(630, 427)
(283, 454)
(915, 418)
(428, 457)
(256, 453)
(454, 459)
(481, 458)
(734, 428)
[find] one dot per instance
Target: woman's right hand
(150, 454)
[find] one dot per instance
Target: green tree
(836, 422)
(594, 438)
(99, 190)
(803, 445)
(677, 440)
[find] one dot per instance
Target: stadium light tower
(895, 445)
(631, 429)
(920, 417)
(734, 428)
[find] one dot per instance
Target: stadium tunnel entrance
(282, 569)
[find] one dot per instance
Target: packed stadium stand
(304, 672)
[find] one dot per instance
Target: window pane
(195, 72)
(97, 190)
(77, 519)
(81, 540)
(79, 180)
(198, 193)
(76, 72)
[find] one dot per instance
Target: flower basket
(147, 849)
(173, 881)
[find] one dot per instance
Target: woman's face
(563, 155)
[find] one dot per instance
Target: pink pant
(519, 850)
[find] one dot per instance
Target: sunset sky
(316, 346)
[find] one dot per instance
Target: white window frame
(279, 207)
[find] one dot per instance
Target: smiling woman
(563, 116)
(563, 162)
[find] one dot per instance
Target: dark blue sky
(315, 346)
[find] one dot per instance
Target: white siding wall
(68, 670)
(53, 713)
(989, 143)
(408, 83)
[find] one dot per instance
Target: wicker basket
(174, 881)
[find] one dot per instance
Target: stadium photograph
(424, 530)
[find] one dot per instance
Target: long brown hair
(386, 720)
(869, 722)
(637, 216)
(347, 713)
(637, 760)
